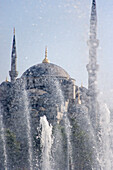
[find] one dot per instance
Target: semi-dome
(46, 69)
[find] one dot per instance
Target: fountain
(106, 136)
(58, 139)
(67, 128)
(70, 163)
(28, 127)
(46, 143)
(49, 123)
(3, 140)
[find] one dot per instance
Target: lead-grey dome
(45, 69)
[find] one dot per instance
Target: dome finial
(6, 79)
(46, 59)
(46, 52)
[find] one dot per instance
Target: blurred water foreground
(47, 122)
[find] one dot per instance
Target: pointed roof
(93, 21)
(93, 10)
(13, 73)
(14, 45)
(93, 4)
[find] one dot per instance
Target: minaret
(13, 73)
(92, 67)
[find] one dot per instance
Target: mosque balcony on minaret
(13, 75)
(94, 43)
(92, 80)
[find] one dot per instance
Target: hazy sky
(63, 26)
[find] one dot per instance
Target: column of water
(3, 139)
(28, 125)
(107, 154)
(69, 146)
(70, 165)
(46, 142)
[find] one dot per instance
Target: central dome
(46, 69)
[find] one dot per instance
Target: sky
(62, 26)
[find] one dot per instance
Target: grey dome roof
(45, 69)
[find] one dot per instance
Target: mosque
(38, 78)
(49, 90)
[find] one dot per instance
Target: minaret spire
(93, 21)
(92, 66)
(13, 73)
(93, 43)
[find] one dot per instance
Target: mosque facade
(41, 76)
